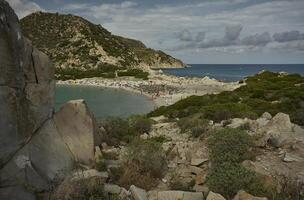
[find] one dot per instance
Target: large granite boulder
(37, 149)
(26, 86)
(78, 130)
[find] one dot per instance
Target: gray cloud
(257, 39)
(185, 35)
(232, 32)
(288, 36)
(200, 36)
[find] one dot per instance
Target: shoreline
(163, 90)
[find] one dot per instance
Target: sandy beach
(163, 89)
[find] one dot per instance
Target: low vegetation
(145, 164)
(102, 70)
(137, 73)
(195, 125)
(228, 148)
(267, 91)
(125, 130)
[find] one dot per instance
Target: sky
(197, 31)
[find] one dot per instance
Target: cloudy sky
(197, 31)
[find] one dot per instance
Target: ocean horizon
(232, 72)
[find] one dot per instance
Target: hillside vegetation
(79, 48)
(271, 92)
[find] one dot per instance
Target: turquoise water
(105, 102)
(233, 72)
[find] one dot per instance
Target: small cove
(105, 102)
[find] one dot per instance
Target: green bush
(148, 155)
(195, 125)
(145, 163)
(250, 100)
(228, 148)
(229, 178)
(125, 130)
(219, 112)
(137, 73)
(117, 129)
(230, 145)
(140, 124)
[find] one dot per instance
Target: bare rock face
(26, 101)
(37, 148)
(78, 130)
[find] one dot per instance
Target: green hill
(79, 48)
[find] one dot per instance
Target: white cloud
(24, 7)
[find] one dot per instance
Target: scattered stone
(201, 188)
(200, 178)
(112, 189)
(291, 158)
(198, 161)
(214, 196)
(266, 115)
(180, 195)
(237, 122)
(144, 136)
(138, 193)
(89, 174)
(242, 195)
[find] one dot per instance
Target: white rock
(138, 193)
(89, 174)
(214, 196)
(198, 161)
(112, 189)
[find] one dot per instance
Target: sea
(105, 102)
(233, 72)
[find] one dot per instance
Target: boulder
(112, 189)
(44, 159)
(242, 195)
(214, 196)
(277, 132)
(180, 195)
(138, 193)
(198, 161)
(78, 130)
(37, 149)
(266, 115)
(237, 122)
(26, 86)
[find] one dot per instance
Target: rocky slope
(73, 42)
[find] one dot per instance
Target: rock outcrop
(37, 148)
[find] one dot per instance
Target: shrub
(145, 163)
(230, 145)
(229, 178)
(219, 112)
(250, 100)
(131, 175)
(140, 124)
(101, 165)
(148, 155)
(117, 130)
(195, 125)
(125, 130)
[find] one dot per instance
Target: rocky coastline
(163, 89)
